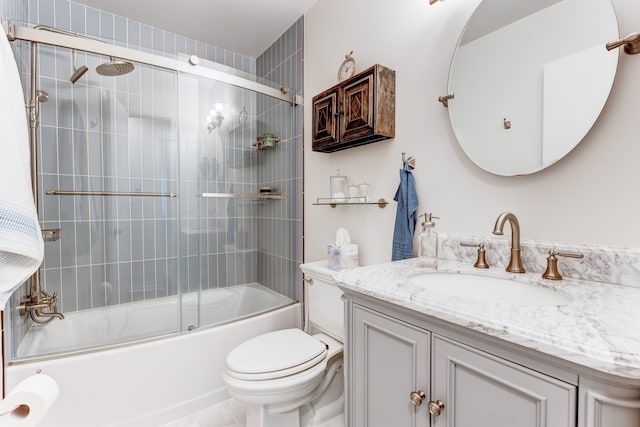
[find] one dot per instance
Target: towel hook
(411, 162)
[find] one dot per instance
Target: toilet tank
(324, 306)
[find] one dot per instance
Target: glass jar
(363, 191)
(338, 187)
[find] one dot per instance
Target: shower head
(114, 67)
(77, 72)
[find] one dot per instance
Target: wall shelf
(328, 201)
(256, 196)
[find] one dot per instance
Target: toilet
(293, 378)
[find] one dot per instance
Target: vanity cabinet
(358, 111)
(397, 371)
(483, 390)
(389, 360)
(604, 405)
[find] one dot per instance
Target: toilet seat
(275, 355)
(284, 392)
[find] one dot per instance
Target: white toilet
(291, 378)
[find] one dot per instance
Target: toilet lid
(290, 350)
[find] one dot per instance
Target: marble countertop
(599, 328)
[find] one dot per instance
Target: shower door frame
(190, 66)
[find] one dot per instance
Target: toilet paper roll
(28, 402)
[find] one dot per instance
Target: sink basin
(488, 289)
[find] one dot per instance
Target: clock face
(347, 69)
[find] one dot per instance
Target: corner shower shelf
(255, 196)
(328, 201)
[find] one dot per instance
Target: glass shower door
(103, 143)
(225, 195)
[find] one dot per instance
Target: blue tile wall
(87, 142)
(280, 224)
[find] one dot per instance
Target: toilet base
(327, 410)
(260, 416)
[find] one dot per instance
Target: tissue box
(343, 257)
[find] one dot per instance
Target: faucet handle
(481, 261)
(552, 272)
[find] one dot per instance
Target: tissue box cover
(344, 257)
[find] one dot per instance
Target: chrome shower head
(77, 72)
(115, 67)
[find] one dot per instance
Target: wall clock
(347, 68)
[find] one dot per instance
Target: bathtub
(154, 381)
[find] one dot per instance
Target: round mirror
(529, 79)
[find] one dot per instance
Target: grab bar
(259, 196)
(107, 193)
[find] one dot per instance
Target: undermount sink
(489, 289)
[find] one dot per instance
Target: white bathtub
(152, 382)
(123, 323)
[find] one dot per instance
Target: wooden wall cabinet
(358, 111)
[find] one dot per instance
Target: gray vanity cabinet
(482, 390)
(604, 405)
(391, 362)
(389, 359)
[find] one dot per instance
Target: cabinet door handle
(436, 408)
(417, 397)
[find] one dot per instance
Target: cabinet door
(325, 120)
(390, 360)
(604, 406)
(480, 390)
(357, 109)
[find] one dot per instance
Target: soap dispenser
(428, 243)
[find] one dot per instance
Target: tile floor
(230, 413)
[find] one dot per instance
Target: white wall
(590, 196)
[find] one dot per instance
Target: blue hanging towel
(406, 218)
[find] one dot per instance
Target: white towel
(21, 246)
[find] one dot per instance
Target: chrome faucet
(515, 263)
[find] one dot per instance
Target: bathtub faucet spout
(40, 313)
(34, 305)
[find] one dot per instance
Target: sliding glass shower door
(226, 144)
(177, 198)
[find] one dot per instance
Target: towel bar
(107, 193)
